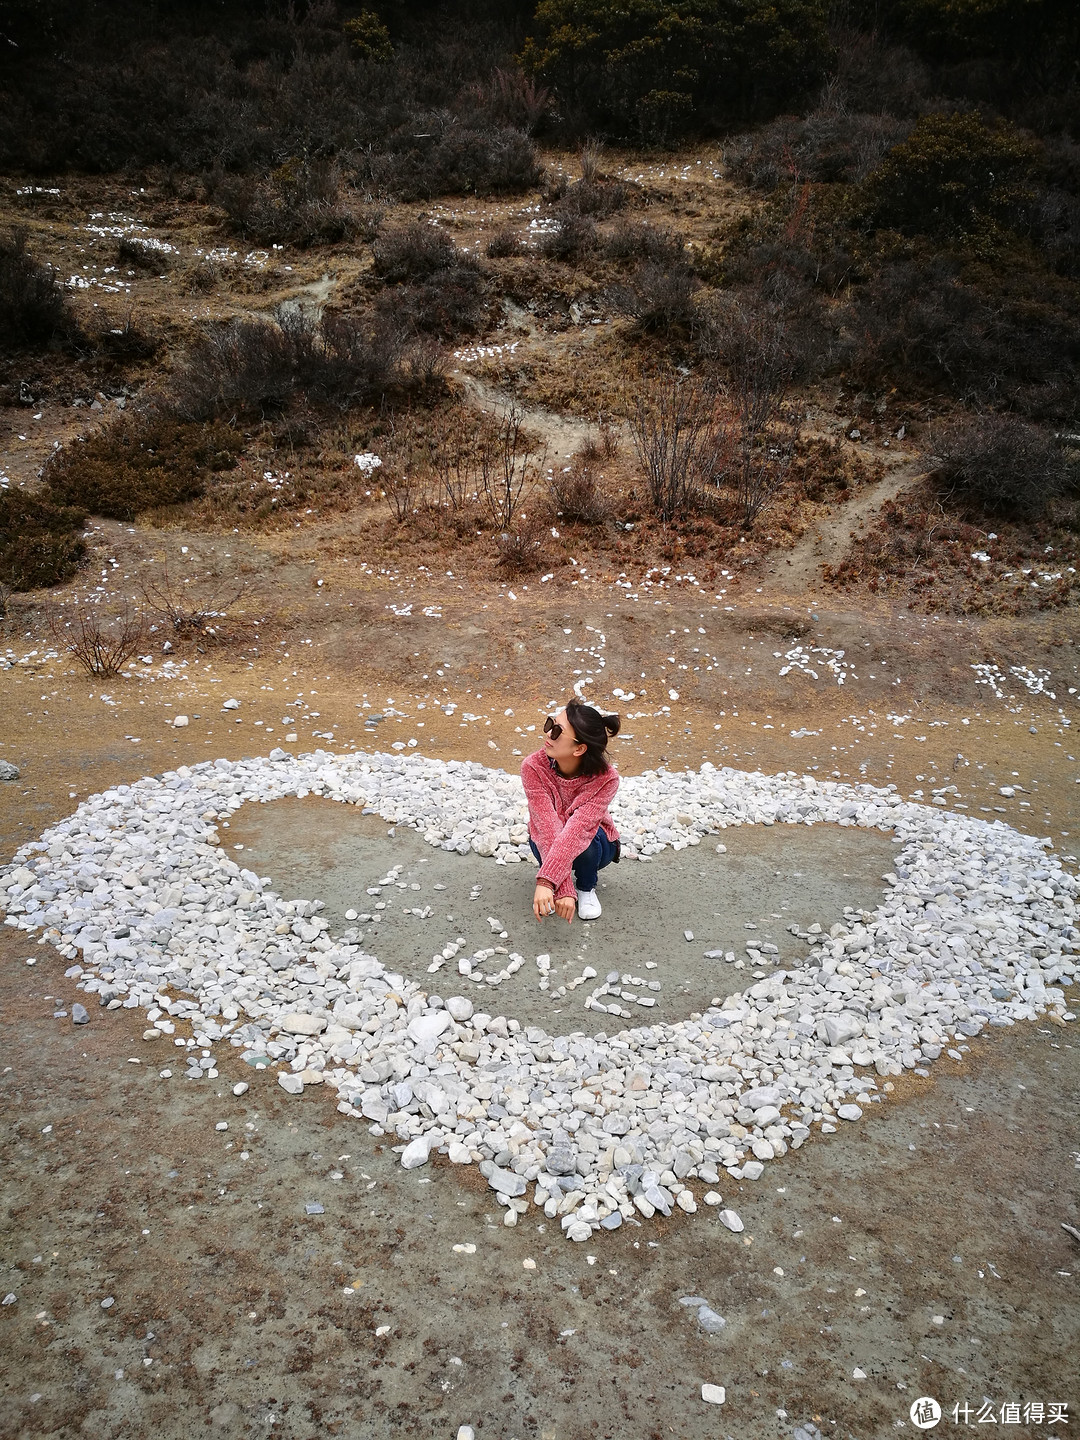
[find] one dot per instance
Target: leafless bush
(503, 243)
(523, 549)
(256, 366)
(754, 461)
(659, 299)
(416, 252)
(673, 424)
(828, 145)
(5, 599)
(594, 197)
(34, 309)
(144, 253)
(642, 241)
(507, 464)
(510, 97)
(300, 203)
(576, 489)
(101, 644)
(573, 237)
(1005, 464)
(189, 606)
(756, 446)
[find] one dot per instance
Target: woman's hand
(545, 903)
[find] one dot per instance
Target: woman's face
(567, 750)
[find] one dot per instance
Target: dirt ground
(917, 1253)
(922, 1250)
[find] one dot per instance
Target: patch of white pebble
(977, 928)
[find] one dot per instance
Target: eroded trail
(827, 542)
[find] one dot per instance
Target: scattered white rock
(713, 1394)
(180, 721)
(732, 1221)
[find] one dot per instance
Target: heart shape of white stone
(978, 928)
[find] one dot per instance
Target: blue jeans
(590, 862)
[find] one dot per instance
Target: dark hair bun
(593, 730)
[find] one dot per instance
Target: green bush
(1014, 30)
(136, 465)
(955, 178)
(369, 37)
(656, 68)
(40, 543)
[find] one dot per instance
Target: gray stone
(561, 1160)
(8, 771)
(710, 1321)
(505, 1182)
(79, 1014)
(837, 1029)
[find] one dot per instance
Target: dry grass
(919, 552)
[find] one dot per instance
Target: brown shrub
(524, 548)
(40, 541)
(138, 464)
(300, 203)
(577, 489)
(1002, 463)
(34, 310)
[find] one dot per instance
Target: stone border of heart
(977, 928)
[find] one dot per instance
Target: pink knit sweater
(564, 815)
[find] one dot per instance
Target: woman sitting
(569, 785)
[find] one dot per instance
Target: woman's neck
(568, 774)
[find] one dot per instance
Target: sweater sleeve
(577, 834)
(544, 824)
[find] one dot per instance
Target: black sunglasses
(552, 728)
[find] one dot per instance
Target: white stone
(415, 1153)
(713, 1394)
(426, 1028)
(301, 1024)
(179, 722)
(732, 1221)
(290, 1082)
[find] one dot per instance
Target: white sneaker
(588, 905)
